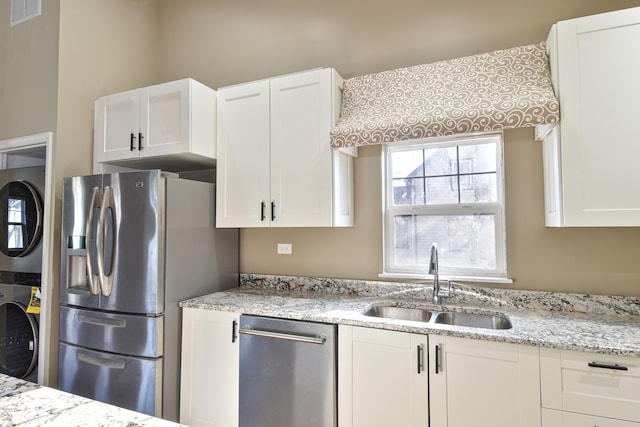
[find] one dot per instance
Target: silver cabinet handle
(99, 361)
(420, 366)
(437, 361)
(94, 284)
(282, 336)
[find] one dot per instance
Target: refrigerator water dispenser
(77, 279)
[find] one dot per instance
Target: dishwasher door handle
(282, 336)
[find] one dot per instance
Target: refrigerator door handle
(94, 279)
(98, 321)
(106, 280)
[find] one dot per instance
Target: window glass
(16, 220)
(468, 239)
(449, 192)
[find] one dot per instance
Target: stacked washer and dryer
(21, 219)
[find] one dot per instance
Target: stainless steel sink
(453, 318)
(474, 320)
(400, 313)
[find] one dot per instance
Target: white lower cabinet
(391, 378)
(209, 381)
(603, 389)
(483, 383)
(382, 378)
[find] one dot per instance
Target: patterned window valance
(507, 88)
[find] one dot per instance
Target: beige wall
(29, 92)
(226, 42)
(586, 260)
(28, 72)
(223, 42)
(109, 46)
(104, 47)
(352, 252)
(589, 260)
(53, 67)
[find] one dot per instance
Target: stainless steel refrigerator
(134, 244)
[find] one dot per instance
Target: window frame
(497, 209)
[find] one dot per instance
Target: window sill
(474, 279)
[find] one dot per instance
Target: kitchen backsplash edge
(462, 294)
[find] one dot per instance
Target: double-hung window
(448, 191)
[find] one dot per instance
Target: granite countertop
(600, 324)
(27, 404)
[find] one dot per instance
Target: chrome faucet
(433, 269)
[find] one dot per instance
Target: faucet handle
(446, 292)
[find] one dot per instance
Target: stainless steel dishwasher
(288, 373)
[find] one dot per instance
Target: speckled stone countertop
(27, 404)
(601, 324)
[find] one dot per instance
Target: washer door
(18, 340)
(20, 219)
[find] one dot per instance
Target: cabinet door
(209, 382)
(165, 119)
(483, 383)
(599, 88)
(301, 159)
(243, 197)
(382, 378)
(116, 126)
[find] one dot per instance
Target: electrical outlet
(284, 248)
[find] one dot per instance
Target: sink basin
(453, 318)
(400, 313)
(474, 320)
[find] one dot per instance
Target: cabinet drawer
(590, 383)
(552, 418)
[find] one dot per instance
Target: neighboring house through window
(448, 191)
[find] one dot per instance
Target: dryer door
(21, 219)
(18, 340)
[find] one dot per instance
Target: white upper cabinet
(591, 158)
(275, 166)
(170, 126)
